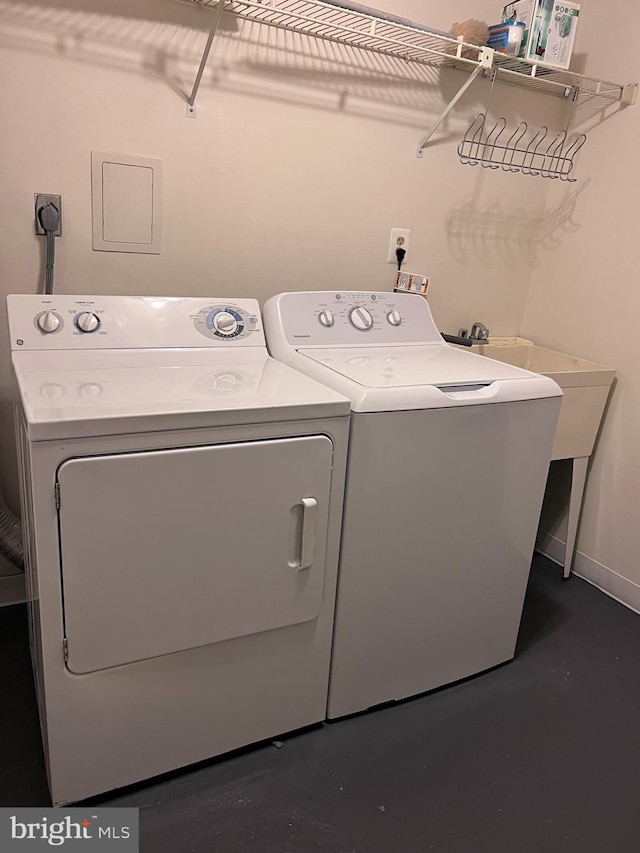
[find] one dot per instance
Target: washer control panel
(49, 322)
(225, 321)
(339, 318)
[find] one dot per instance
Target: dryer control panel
(60, 322)
(344, 318)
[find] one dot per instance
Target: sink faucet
(479, 333)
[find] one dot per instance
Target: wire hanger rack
(530, 153)
(521, 151)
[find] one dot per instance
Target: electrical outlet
(398, 239)
(40, 200)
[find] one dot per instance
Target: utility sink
(585, 387)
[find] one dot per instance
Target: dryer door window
(168, 550)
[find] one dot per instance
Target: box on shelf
(550, 29)
(506, 38)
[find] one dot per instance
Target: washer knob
(48, 322)
(326, 318)
(394, 318)
(361, 319)
(225, 323)
(87, 322)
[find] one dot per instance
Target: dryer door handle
(308, 538)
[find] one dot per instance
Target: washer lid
(417, 377)
(67, 394)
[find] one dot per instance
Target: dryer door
(168, 550)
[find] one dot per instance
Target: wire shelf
(388, 35)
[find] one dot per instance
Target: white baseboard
(550, 547)
(606, 580)
(12, 589)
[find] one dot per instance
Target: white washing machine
(182, 497)
(448, 460)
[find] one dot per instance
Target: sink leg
(578, 478)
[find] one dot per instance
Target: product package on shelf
(506, 38)
(550, 29)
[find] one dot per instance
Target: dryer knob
(87, 322)
(48, 322)
(225, 323)
(326, 318)
(394, 318)
(361, 319)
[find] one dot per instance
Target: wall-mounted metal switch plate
(42, 199)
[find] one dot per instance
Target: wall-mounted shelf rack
(378, 32)
(531, 154)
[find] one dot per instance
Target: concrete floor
(538, 756)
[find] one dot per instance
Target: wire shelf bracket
(629, 94)
(191, 101)
(485, 62)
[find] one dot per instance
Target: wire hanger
(554, 160)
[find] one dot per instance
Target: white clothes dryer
(448, 459)
(182, 498)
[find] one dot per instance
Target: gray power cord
(49, 217)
